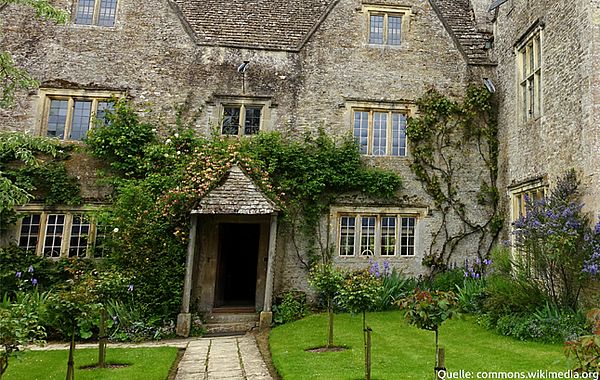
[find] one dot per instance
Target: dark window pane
(80, 122)
(85, 12)
(398, 134)
(30, 227)
(104, 108)
(80, 229)
(108, 11)
(54, 230)
(231, 120)
(252, 122)
(57, 118)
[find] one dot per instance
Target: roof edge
(317, 25)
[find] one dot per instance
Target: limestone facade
(311, 64)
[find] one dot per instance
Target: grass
(401, 351)
(145, 364)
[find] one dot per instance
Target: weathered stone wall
(338, 65)
(151, 55)
(567, 134)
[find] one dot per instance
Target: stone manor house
(352, 66)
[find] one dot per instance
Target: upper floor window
(386, 25)
(70, 116)
(59, 234)
(241, 119)
(530, 77)
(96, 12)
(380, 132)
(242, 115)
(376, 234)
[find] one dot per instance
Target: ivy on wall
(159, 179)
(451, 140)
(31, 168)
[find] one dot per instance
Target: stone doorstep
(232, 318)
(236, 328)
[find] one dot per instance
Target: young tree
(428, 310)
(327, 281)
(359, 293)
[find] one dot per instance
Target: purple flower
(487, 261)
(34, 281)
(477, 276)
(130, 288)
(466, 274)
(30, 269)
(19, 274)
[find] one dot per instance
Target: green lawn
(401, 351)
(145, 364)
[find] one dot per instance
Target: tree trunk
(102, 340)
(71, 363)
(3, 364)
(330, 330)
(368, 355)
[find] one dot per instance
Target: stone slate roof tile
(236, 194)
(264, 24)
(458, 17)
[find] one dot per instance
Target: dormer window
(387, 26)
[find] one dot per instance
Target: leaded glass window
(347, 232)
(380, 133)
(54, 233)
(80, 230)
(96, 12)
(30, 230)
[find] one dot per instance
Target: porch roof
(236, 194)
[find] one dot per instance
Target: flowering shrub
(557, 249)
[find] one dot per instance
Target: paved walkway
(235, 357)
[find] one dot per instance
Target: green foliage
(585, 351)
(292, 307)
(428, 310)
(326, 280)
(19, 324)
(360, 292)
(18, 269)
(19, 151)
(443, 138)
(394, 286)
(49, 182)
(448, 280)
(123, 141)
(158, 180)
(548, 324)
(312, 172)
(471, 295)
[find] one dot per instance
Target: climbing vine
(454, 143)
(31, 168)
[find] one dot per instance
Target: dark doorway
(236, 269)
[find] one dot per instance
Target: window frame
(95, 15)
(357, 214)
(243, 103)
(47, 95)
(404, 13)
(538, 188)
(67, 233)
(405, 108)
(530, 62)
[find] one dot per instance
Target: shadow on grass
(328, 349)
